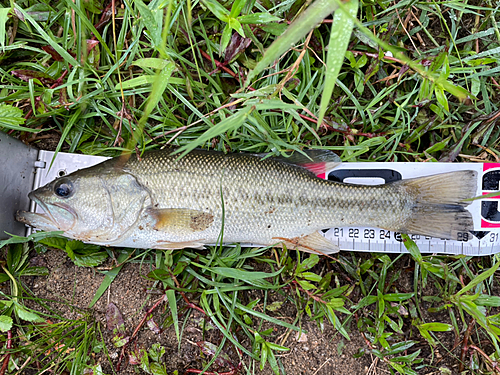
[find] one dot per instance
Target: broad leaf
(11, 117)
(5, 323)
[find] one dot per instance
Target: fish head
(92, 205)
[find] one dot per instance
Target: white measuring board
(484, 240)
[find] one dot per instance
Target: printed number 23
(369, 233)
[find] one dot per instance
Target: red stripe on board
(487, 166)
(493, 197)
(322, 175)
(487, 224)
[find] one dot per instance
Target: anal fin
(313, 243)
(167, 245)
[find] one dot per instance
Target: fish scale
(254, 202)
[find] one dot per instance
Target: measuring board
(484, 240)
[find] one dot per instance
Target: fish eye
(63, 188)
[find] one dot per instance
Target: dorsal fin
(317, 161)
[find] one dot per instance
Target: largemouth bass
(160, 201)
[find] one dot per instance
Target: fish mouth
(56, 216)
(40, 221)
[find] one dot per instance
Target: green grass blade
(158, 89)
(89, 25)
(340, 35)
(257, 18)
(159, 86)
(237, 7)
(149, 80)
(205, 305)
(228, 124)
(69, 125)
(458, 91)
(155, 31)
(4, 12)
(297, 30)
(151, 62)
(48, 38)
(412, 248)
(225, 38)
(172, 302)
(217, 9)
(266, 317)
(240, 274)
(108, 279)
(479, 279)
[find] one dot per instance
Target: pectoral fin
(313, 243)
(180, 219)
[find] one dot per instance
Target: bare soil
(315, 352)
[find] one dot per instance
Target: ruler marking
(381, 244)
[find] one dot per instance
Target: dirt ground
(314, 353)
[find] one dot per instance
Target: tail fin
(439, 209)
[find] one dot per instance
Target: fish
(206, 197)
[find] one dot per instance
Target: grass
(401, 81)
